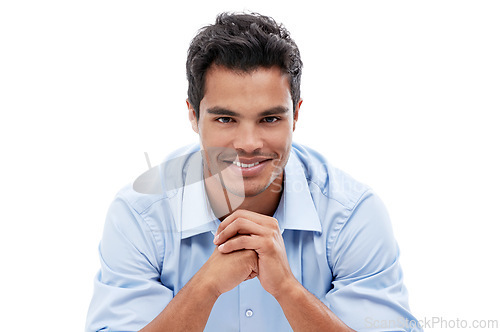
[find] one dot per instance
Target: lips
(237, 160)
(237, 163)
(242, 165)
(247, 167)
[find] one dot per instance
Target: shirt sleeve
(368, 293)
(128, 293)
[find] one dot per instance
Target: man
(249, 232)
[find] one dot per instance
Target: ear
(296, 113)
(192, 117)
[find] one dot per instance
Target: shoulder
(333, 183)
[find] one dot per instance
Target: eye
(224, 119)
(270, 119)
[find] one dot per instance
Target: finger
(254, 216)
(241, 242)
(239, 226)
(230, 219)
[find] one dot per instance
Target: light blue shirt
(337, 233)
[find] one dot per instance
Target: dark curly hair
(241, 42)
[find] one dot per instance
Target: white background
(402, 95)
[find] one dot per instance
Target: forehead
(257, 90)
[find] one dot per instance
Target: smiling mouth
(248, 164)
(237, 163)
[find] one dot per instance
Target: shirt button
(249, 313)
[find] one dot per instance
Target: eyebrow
(227, 112)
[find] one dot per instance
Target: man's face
(245, 125)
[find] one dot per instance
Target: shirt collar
(296, 209)
(196, 214)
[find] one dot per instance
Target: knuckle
(274, 224)
(238, 213)
(272, 233)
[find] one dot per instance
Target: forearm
(304, 311)
(188, 310)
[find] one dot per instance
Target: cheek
(281, 139)
(215, 137)
(205, 131)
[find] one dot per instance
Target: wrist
(206, 286)
(289, 288)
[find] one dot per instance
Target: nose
(248, 139)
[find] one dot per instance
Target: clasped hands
(250, 245)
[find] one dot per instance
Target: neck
(264, 203)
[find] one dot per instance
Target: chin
(248, 191)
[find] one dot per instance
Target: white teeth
(237, 163)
